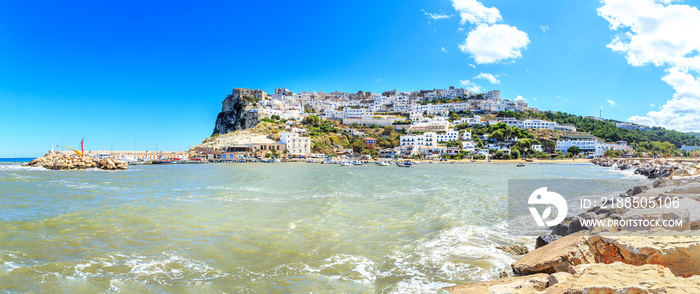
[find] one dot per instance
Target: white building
(468, 145)
(361, 113)
(296, 146)
(466, 136)
(629, 126)
(584, 143)
(426, 139)
(450, 135)
(689, 148)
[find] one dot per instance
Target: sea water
(254, 228)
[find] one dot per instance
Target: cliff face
(234, 116)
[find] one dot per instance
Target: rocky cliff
(235, 115)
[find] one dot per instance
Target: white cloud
(474, 66)
(489, 77)
(472, 87)
(557, 98)
(682, 112)
(652, 105)
(520, 98)
(534, 99)
(378, 80)
(475, 12)
(612, 103)
(664, 35)
(435, 15)
(444, 50)
(494, 43)
(489, 42)
(544, 28)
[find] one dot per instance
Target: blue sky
(156, 71)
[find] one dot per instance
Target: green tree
(515, 154)
(388, 130)
(573, 150)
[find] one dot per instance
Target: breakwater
(62, 161)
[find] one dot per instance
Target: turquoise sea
(257, 228)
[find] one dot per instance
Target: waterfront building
(585, 143)
(295, 145)
(426, 139)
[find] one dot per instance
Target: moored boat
(406, 163)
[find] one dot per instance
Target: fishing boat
(346, 163)
(382, 163)
(520, 165)
(357, 162)
(406, 163)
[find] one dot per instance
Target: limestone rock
(546, 239)
(681, 254)
(522, 284)
(623, 278)
(513, 249)
(555, 257)
(59, 161)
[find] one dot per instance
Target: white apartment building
(583, 142)
(689, 148)
(493, 95)
(296, 145)
(426, 139)
(468, 145)
(629, 126)
(450, 135)
(361, 113)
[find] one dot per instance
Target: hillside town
(432, 124)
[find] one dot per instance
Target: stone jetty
(60, 161)
(576, 259)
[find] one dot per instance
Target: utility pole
(111, 151)
(63, 142)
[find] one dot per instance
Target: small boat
(357, 162)
(404, 164)
(158, 161)
(520, 165)
(382, 163)
(346, 163)
(528, 160)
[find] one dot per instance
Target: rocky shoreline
(618, 259)
(60, 161)
(651, 168)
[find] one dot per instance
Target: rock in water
(58, 161)
(513, 249)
